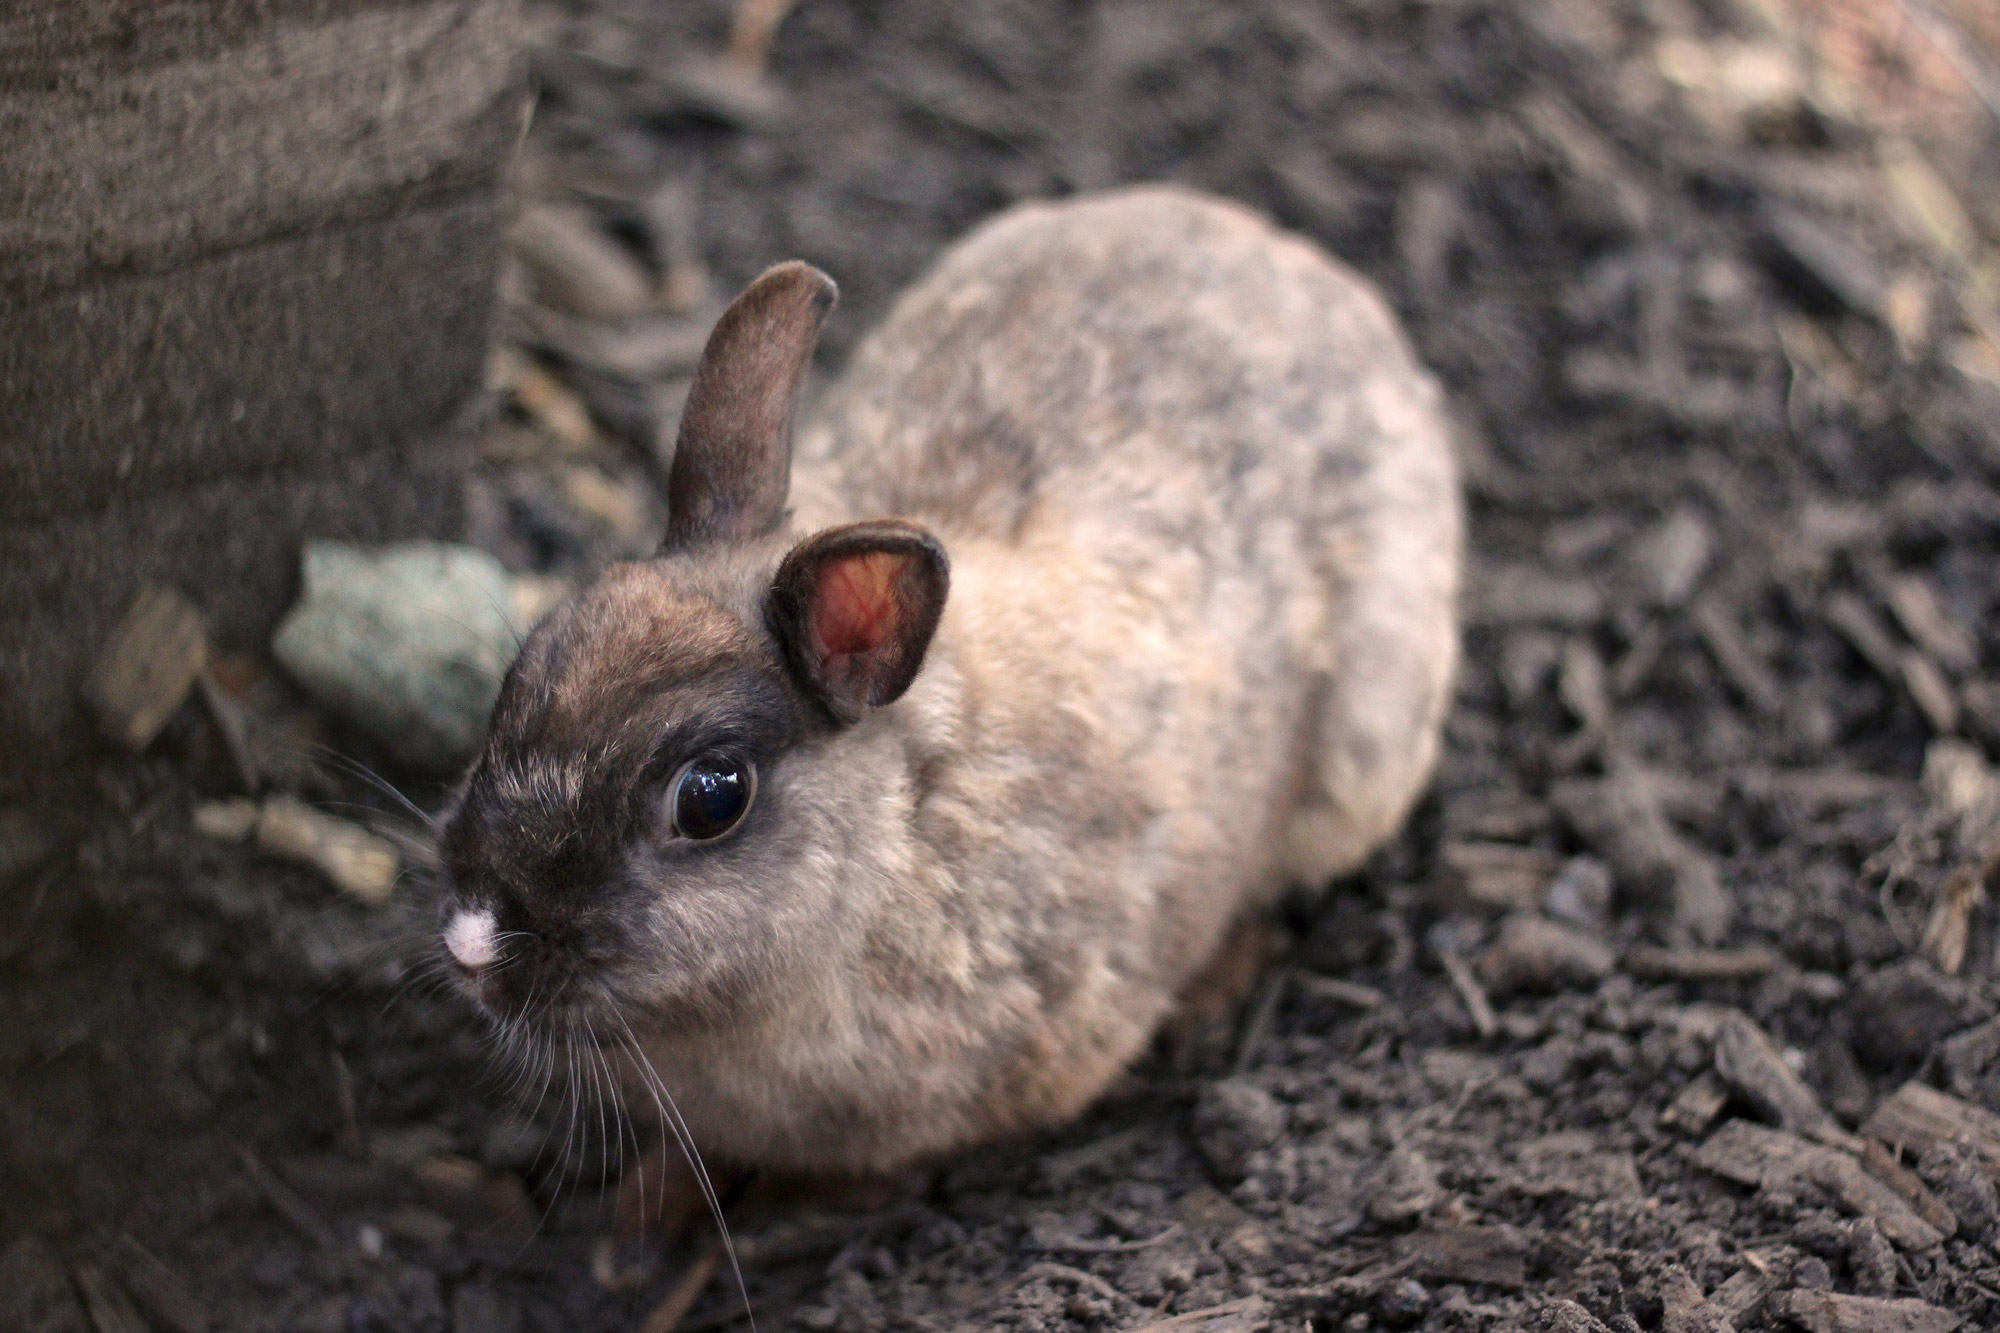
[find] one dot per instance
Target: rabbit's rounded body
(1203, 533)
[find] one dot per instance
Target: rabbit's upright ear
(854, 608)
(733, 457)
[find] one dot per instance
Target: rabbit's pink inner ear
(854, 609)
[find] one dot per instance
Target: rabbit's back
(1151, 357)
(1170, 388)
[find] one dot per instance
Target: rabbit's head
(682, 810)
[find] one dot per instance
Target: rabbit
(889, 808)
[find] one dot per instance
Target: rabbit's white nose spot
(470, 939)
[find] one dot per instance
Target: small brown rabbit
(1118, 591)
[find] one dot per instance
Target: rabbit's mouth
(516, 978)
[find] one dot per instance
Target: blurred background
(1713, 290)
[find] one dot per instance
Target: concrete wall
(247, 258)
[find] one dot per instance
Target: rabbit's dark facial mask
(626, 783)
(663, 754)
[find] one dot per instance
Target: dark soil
(1733, 458)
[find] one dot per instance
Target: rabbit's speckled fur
(1204, 536)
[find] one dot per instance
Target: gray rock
(408, 641)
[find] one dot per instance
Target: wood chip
(1650, 964)
(620, 504)
(1697, 1105)
(1429, 217)
(1753, 1154)
(1734, 85)
(636, 349)
(1684, 1308)
(1908, 667)
(680, 1298)
(431, 1230)
(556, 408)
(1746, 1288)
(1858, 624)
(1470, 993)
(1211, 1212)
(1830, 1312)
(1522, 594)
(1059, 1169)
(750, 33)
(1404, 1188)
(354, 859)
(532, 596)
(672, 215)
(147, 667)
(1350, 993)
(1622, 817)
(1918, 1115)
(1563, 1316)
(1833, 270)
(1498, 874)
(1948, 931)
(227, 821)
(1536, 954)
(1068, 1245)
(1249, 1315)
(574, 267)
(1495, 1256)
(1931, 205)
(1818, 791)
(1589, 158)
(1960, 783)
(1923, 617)
(1932, 693)
(719, 91)
(1880, 1163)
(1570, 1162)
(1582, 688)
(1754, 1068)
(1746, 671)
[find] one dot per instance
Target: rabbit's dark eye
(711, 795)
